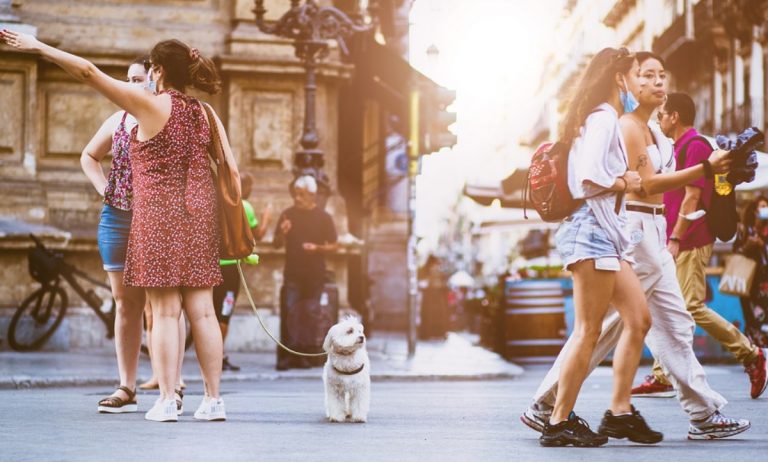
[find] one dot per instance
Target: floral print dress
(174, 240)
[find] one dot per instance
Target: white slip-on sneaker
(163, 411)
(211, 409)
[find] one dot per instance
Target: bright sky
(491, 53)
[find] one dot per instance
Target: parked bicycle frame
(41, 313)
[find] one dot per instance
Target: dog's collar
(356, 371)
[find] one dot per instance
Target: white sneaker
(716, 426)
(211, 409)
(163, 411)
(536, 416)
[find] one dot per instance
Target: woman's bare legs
(182, 344)
(198, 304)
(166, 310)
(592, 291)
(629, 301)
(129, 302)
(152, 382)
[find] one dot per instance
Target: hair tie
(194, 54)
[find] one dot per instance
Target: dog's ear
(328, 341)
(354, 318)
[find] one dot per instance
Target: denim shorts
(112, 235)
(580, 237)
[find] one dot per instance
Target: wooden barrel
(534, 321)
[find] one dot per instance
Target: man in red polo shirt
(690, 241)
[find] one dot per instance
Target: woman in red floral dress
(173, 245)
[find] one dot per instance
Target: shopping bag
(738, 276)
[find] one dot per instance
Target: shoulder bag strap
(215, 150)
(229, 183)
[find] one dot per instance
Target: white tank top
(655, 156)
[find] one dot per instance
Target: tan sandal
(117, 405)
(151, 384)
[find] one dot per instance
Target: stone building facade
(715, 50)
(47, 119)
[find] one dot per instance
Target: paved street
(409, 420)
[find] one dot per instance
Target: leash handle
(263, 326)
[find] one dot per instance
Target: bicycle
(41, 313)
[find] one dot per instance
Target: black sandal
(117, 405)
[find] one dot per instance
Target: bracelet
(708, 173)
(674, 239)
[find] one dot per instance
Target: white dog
(347, 373)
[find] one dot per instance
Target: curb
(28, 382)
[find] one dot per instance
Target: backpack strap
(682, 156)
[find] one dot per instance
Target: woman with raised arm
(173, 245)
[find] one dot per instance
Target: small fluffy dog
(347, 373)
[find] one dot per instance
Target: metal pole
(311, 27)
(413, 167)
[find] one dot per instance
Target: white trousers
(671, 336)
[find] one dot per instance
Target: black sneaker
(574, 431)
(227, 366)
(632, 427)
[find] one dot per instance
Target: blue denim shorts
(580, 237)
(112, 235)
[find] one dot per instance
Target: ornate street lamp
(311, 27)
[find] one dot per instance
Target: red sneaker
(758, 374)
(652, 388)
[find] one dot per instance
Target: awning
(486, 194)
(510, 220)
(509, 191)
(387, 76)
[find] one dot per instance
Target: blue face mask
(151, 84)
(762, 213)
(628, 100)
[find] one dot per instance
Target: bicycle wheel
(37, 318)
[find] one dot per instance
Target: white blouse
(597, 158)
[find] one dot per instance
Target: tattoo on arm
(642, 160)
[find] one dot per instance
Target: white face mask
(762, 213)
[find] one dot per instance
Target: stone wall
(47, 118)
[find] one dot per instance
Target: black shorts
(231, 283)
